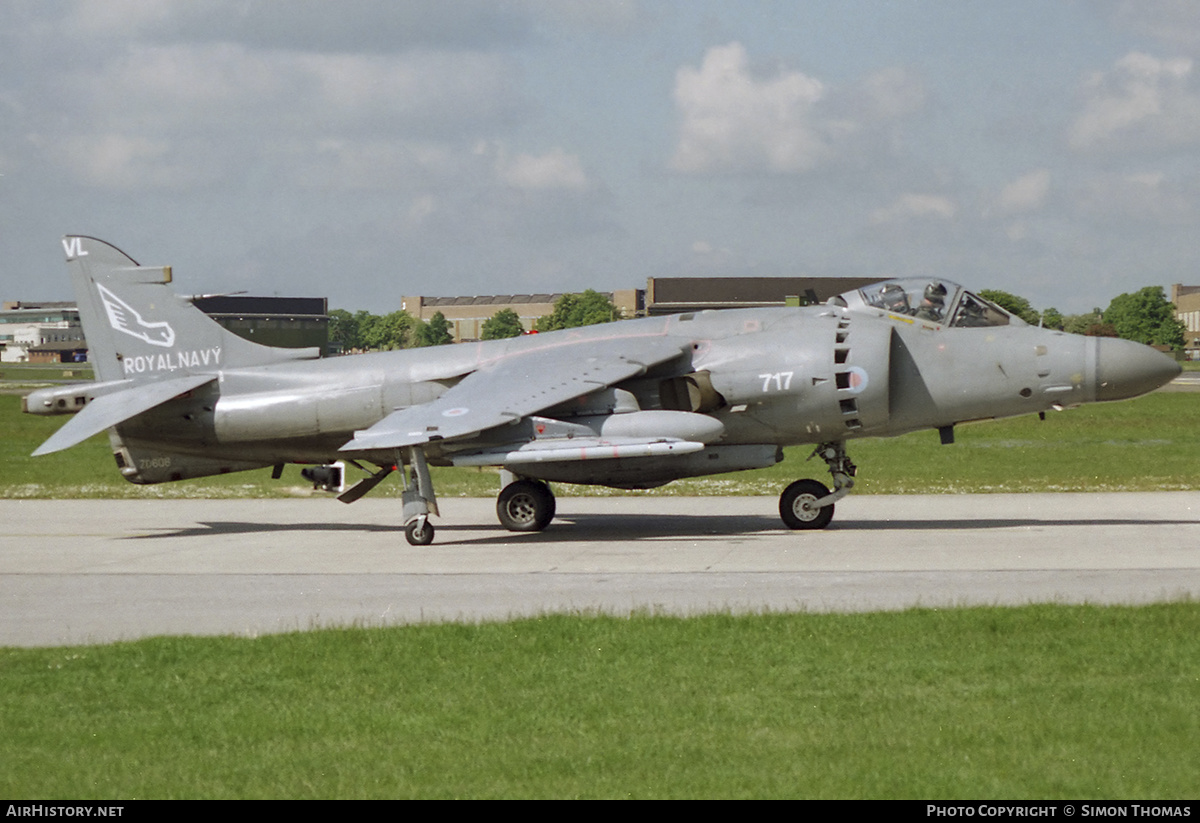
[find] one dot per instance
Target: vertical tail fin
(137, 328)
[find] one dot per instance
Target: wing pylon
(513, 387)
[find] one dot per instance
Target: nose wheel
(798, 505)
(808, 504)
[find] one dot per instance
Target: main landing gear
(808, 504)
(524, 505)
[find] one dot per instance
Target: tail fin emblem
(125, 318)
(73, 246)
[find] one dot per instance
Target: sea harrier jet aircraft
(632, 405)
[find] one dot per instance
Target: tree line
(364, 331)
(1145, 316)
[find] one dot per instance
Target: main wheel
(418, 533)
(525, 506)
(796, 505)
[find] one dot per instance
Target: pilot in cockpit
(933, 304)
(894, 298)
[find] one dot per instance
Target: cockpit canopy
(935, 301)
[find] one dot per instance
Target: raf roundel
(858, 379)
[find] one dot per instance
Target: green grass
(1033, 702)
(41, 373)
(1148, 444)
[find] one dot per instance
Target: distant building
(40, 333)
(289, 322)
(1187, 312)
(59, 351)
(671, 295)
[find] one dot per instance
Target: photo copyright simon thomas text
(1141, 810)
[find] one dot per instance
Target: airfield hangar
(289, 322)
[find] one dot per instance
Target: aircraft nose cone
(1126, 369)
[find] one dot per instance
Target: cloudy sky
(368, 149)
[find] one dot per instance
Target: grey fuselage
(769, 377)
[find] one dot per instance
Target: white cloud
(212, 84)
(733, 118)
(372, 26)
(117, 161)
(377, 26)
(916, 206)
(1171, 21)
(420, 210)
(735, 121)
(1142, 103)
(113, 17)
(889, 94)
(706, 257)
(211, 112)
(1140, 197)
(1026, 193)
(554, 170)
(600, 15)
(368, 164)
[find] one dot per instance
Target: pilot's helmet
(892, 295)
(935, 293)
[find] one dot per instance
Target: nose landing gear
(808, 504)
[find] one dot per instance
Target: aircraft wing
(513, 387)
(108, 410)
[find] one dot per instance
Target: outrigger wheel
(419, 532)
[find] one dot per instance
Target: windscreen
(974, 311)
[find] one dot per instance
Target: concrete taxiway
(93, 571)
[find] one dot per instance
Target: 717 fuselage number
(779, 381)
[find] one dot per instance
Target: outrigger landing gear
(419, 499)
(420, 531)
(808, 504)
